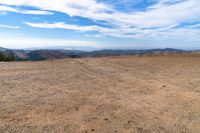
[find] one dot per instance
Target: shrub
(10, 58)
(7, 57)
(2, 56)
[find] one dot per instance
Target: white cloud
(128, 32)
(27, 42)
(157, 20)
(62, 25)
(34, 12)
(161, 15)
(7, 8)
(71, 7)
(8, 26)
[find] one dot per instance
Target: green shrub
(2, 56)
(7, 57)
(10, 58)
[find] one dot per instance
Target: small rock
(106, 119)
(130, 121)
(164, 86)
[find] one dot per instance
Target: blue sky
(137, 24)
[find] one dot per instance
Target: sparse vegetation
(7, 57)
(39, 55)
(2, 56)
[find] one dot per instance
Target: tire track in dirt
(125, 84)
(100, 95)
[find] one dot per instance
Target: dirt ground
(101, 95)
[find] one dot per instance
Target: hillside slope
(45, 54)
(104, 95)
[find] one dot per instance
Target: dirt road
(101, 95)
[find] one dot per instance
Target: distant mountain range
(45, 54)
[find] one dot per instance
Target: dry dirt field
(101, 95)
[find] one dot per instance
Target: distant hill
(102, 53)
(46, 54)
(53, 54)
(2, 49)
(7, 55)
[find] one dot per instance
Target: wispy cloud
(27, 42)
(189, 31)
(10, 27)
(62, 25)
(162, 15)
(157, 20)
(33, 12)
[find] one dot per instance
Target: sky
(135, 24)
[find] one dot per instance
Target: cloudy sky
(135, 24)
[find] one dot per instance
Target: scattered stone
(130, 121)
(106, 119)
(164, 86)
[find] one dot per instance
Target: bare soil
(101, 95)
